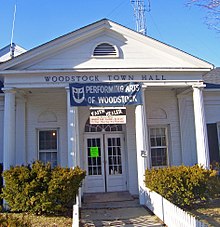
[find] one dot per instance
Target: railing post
(76, 213)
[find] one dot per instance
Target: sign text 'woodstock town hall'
(99, 78)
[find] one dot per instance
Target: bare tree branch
(212, 18)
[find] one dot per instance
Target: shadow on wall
(1, 181)
(1, 86)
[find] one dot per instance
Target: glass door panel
(94, 164)
(94, 156)
(115, 162)
(114, 156)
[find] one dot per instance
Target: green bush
(40, 189)
(182, 185)
(64, 185)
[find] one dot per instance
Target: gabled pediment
(10, 51)
(75, 51)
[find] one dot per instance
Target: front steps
(115, 209)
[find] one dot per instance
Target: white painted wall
(1, 127)
(187, 125)
(212, 115)
(134, 51)
(162, 109)
(38, 102)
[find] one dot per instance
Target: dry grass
(209, 213)
(44, 221)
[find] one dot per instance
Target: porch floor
(115, 209)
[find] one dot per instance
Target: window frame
(166, 127)
(48, 150)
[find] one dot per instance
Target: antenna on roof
(12, 45)
(139, 13)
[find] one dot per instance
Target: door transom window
(102, 128)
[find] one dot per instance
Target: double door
(105, 163)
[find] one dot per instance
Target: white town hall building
(168, 127)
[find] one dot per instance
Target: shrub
(214, 183)
(40, 189)
(64, 185)
(182, 185)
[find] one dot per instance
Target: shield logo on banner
(78, 94)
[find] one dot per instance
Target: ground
(209, 213)
(44, 221)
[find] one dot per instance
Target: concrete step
(115, 209)
(107, 197)
(110, 205)
(133, 216)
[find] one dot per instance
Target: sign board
(94, 152)
(105, 94)
(108, 115)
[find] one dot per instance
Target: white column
(9, 156)
(200, 127)
(75, 136)
(21, 156)
(141, 145)
(72, 127)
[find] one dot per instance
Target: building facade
(169, 127)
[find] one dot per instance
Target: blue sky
(169, 21)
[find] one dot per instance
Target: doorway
(105, 162)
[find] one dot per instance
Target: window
(218, 160)
(218, 124)
(105, 50)
(158, 146)
(213, 130)
(94, 163)
(48, 146)
(102, 128)
(114, 156)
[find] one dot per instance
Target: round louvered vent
(105, 50)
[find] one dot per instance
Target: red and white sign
(108, 115)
